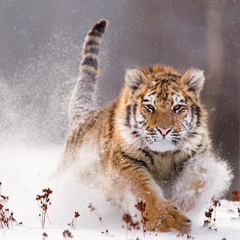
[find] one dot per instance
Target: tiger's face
(163, 108)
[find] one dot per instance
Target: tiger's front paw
(166, 218)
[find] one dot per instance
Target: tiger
(151, 142)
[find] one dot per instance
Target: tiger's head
(162, 109)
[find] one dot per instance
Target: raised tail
(83, 97)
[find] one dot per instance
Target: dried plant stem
(6, 216)
(43, 204)
(93, 209)
(74, 221)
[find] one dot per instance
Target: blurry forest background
(40, 44)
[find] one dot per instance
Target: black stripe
(175, 141)
(196, 111)
(136, 134)
(95, 33)
(93, 121)
(135, 109)
(192, 112)
(128, 115)
(134, 112)
(89, 61)
(126, 167)
(92, 50)
(152, 93)
(163, 82)
(111, 121)
(164, 97)
(92, 42)
(147, 154)
(141, 80)
(80, 134)
(134, 88)
(139, 162)
(199, 145)
(174, 77)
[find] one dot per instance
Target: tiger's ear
(134, 78)
(193, 81)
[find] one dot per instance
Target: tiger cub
(152, 141)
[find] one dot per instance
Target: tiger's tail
(83, 96)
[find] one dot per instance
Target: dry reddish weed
(6, 216)
(67, 234)
(44, 236)
(74, 221)
(211, 215)
(93, 209)
(43, 204)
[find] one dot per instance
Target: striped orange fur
(152, 141)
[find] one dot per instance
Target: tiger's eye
(179, 108)
(150, 107)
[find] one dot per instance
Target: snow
(25, 171)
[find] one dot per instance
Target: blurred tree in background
(40, 48)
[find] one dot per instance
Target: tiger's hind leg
(83, 97)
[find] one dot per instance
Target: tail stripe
(90, 61)
(92, 50)
(92, 43)
(95, 33)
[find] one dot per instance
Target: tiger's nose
(164, 131)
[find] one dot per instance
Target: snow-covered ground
(25, 171)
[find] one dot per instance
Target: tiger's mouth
(160, 144)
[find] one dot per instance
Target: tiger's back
(152, 141)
